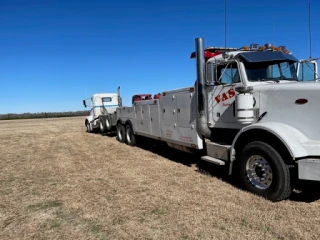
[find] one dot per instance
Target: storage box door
(155, 121)
(146, 123)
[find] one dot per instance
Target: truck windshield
(271, 71)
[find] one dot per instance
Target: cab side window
(228, 74)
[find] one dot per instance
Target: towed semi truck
(103, 115)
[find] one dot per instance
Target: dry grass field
(59, 182)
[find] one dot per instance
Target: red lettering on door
(217, 98)
(224, 97)
(231, 93)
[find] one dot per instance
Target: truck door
(307, 70)
(221, 99)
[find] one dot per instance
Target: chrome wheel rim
(259, 172)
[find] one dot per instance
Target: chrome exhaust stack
(119, 98)
(202, 102)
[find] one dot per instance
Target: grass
(45, 205)
(59, 182)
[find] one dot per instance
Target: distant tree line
(11, 116)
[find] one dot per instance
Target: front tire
(91, 127)
(263, 172)
(88, 127)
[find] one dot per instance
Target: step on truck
(103, 114)
(248, 110)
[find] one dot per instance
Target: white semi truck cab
(248, 110)
(102, 115)
(252, 103)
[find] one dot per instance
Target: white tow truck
(247, 110)
(103, 114)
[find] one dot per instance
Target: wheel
(102, 124)
(120, 133)
(263, 172)
(130, 137)
(88, 127)
(108, 123)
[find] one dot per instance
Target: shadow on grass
(162, 149)
(189, 160)
(306, 191)
(107, 134)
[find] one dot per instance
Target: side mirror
(84, 103)
(307, 70)
(210, 73)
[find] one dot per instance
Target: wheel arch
(285, 139)
(119, 121)
(128, 122)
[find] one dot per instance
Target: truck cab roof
(104, 95)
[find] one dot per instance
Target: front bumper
(309, 169)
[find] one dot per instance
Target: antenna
(309, 30)
(273, 30)
(225, 23)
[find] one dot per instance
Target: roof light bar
(282, 48)
(268, 45)
(254, 46)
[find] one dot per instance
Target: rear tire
(102, 124)
(121, 133)
(108, 123)
(130, 137)
(263, 172)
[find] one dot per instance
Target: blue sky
(56, 53)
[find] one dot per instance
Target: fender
(291, 137)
